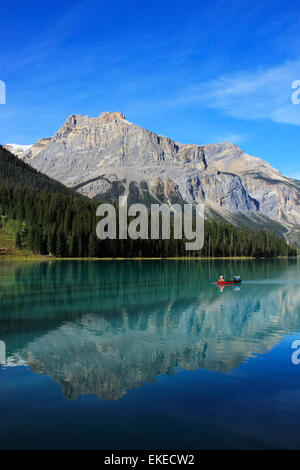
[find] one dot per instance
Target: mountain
(47, 218)
(108, 156)
(17, 149)
(15, 173)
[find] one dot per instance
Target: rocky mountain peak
(107, 156)
(111, 117)
(77, 120)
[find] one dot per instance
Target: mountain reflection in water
(106, 327)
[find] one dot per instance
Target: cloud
(42, 47)
(235, 138)
(263, 94)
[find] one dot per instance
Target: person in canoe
(236, 278)
(221, 278)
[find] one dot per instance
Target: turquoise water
(150, 355)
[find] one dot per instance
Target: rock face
(108, 156)
(17, 149)
(29, 151)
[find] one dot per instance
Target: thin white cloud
(47, 43)
(266, 93)
(263, 94)
(234, 138)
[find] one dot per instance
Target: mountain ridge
(107, 156)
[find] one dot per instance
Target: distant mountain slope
(108, 156)
(15, 172)
(17, 149)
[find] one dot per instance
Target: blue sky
(195, 71)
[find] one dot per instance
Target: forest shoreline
(186, 258)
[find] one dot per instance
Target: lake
(149, 355)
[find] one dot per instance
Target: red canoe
(225, 283)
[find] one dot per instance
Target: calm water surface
(149, 355)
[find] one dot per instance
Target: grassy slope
(7, 244)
